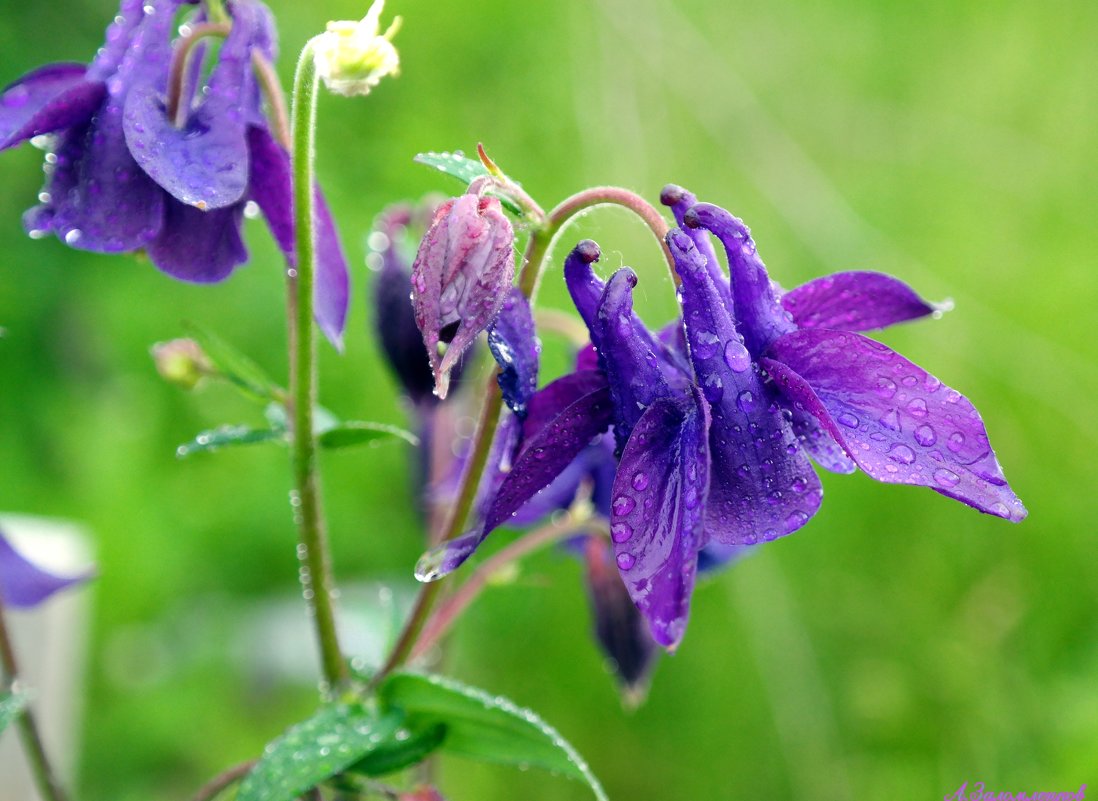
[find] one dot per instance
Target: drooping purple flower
(123, 176)
(460, 278)
(896, 421)
(23, 584)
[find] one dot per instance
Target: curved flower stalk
(715, 418)
(126, 173)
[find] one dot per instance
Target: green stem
(48, 786)
(316, 575)
(181, 56)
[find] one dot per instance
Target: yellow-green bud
(181, 362)
(353, 57)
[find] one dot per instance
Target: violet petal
(757, 311)
(199, 246)
(204, 161)
(657, 512)
(681, 200)
(331, 289)
(854, 301)
(118, 39)
(762, 484)
(515, 347)
(48, 99)
(552, 399)
(24, 584)
(899, 423)
(819, 443)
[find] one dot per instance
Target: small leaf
(485, 727)
(241, 371)
(229, 436)
(336, 737)
(11, 704)
(467, 170)
(407, 748)
(357, 433)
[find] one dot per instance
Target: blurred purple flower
(123, 176)
(460, 278)
(23, 584)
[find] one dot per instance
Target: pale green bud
(353, 57)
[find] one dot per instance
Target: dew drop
(901, 454)
(795, 521)
(640, 482)
(891, 420)
(848, 420)
(736, 356)
(1000, 509)
(925, 436)
(621, 532)
(917, 408)
(956, 441)
(746, 401)
(626, 561)
(623, 505)
(73, 236)
(946, 478)
(886, 387)
(798, 484)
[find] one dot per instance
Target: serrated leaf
(241, 371)
(11, 704)
(356, 432)
(401, 752)
(229, 436)
(336, 737)
(485, 727)
(466, 170)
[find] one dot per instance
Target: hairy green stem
(44, 777)
(181, 56)
(316, 575)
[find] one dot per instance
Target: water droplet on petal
(886, 387)
(848, 420)
(704, 345)
(925, 436)
(626, 561)
(946, 478)
(640, 482)
(746, 401)
(917, 407)
(623, 505)
(736, 356)
(621, 532)
(891, 420)
(956, 441)
(901, 454)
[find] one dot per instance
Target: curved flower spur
(142, 157)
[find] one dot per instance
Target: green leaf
(229, 436)
(11, 704)
(241, 371)
(336, 737)
(485, 727)
(466, 170)
(356, 433)
(407, 748)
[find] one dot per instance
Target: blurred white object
(49, 643)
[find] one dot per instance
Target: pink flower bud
(460, 278)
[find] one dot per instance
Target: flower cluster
(144, 155)
(715, 418)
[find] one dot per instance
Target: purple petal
(584, 286)
(118, 40)
(758, 314)
(204, 161)
(22, 584)
(332, 291)
(202, 247)
(821, 446)
(543, 457)
(631, 364)
(657, 512)
(515, 347)
(619, 627)
(680, 201)
(898, 422)
(762, 484)
(48, 99)
(270, 186)
(555, 397)
(854, 301)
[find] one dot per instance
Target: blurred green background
(900, 645)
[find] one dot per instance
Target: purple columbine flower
(460, 277)
(23, 584)
(123, 176)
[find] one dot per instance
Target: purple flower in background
(124, 175)
(460, 278)
(24, 584)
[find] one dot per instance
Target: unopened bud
(353, 57)
(181, 362)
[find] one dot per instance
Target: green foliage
(336, 737)
(484, 727)
(357, 432)
(466, 170)
(229, 436)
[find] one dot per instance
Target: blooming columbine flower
(125, 174)
(460, 278)
(353, 57)
(24, 584)
(714, 419)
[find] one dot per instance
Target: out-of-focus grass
(898, 646)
